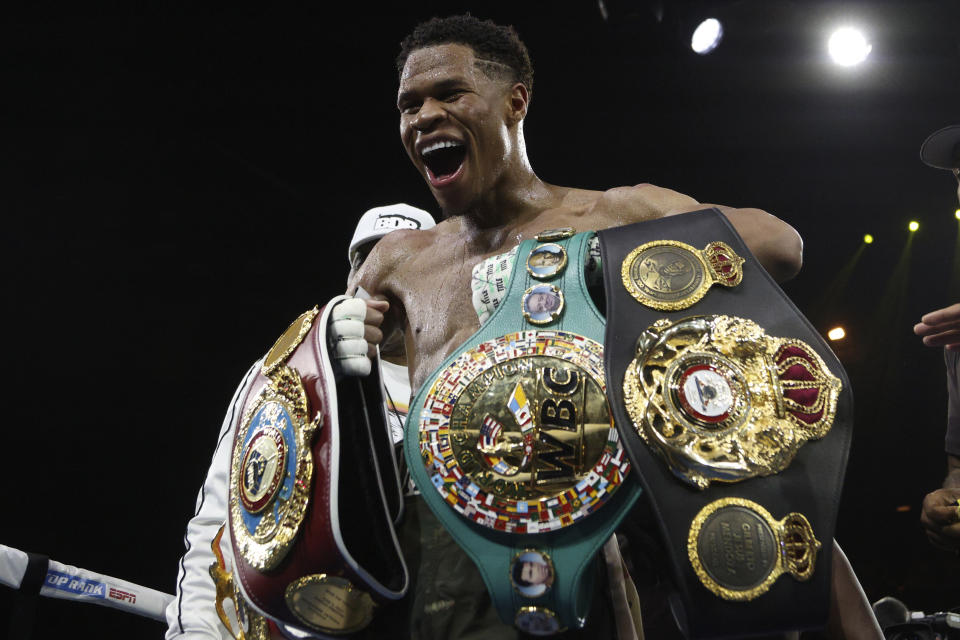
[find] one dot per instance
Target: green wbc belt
(737, 417)
(513, 447)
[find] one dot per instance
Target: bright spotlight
(848, 47)
(913, 226)
(956, 214)
(868, 239)
(837, 333)
(707, 36)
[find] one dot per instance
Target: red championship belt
(314, 491)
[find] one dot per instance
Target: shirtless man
(465, 87)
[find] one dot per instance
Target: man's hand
(941, 518)
(355, 334)
(941, 328)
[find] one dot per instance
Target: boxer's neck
(516, 199)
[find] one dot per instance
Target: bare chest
(436, 292)
(437, 299)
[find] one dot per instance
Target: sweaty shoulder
(641, 202)
(775, 243)
(390, 256)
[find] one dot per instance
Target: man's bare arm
(775, 243)
(851, 617)
(384, 321)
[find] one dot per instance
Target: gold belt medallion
(517, 436)
(738, 550)
(537, 621)
(552, 235)
(329, 603)
(288, 341)
(272, 470)
(719, 400)
(668, 275)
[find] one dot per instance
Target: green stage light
(913, 226)
(956, 214)
(868, 239)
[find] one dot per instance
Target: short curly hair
(489, 41)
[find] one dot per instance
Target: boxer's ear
(519, 100)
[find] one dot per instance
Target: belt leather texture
(345, 542)
(496, 546)
(810, 484)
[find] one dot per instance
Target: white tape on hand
(349, 347)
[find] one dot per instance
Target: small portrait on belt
(531, 573)
(542, 303)
(546, 261)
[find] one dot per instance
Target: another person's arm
(940, 515)
(191, 615)
(941, 328)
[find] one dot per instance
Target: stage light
(837, 333)
(913, 226)
(868, 239)
(956, 214)
(707, 36)
(848, 47)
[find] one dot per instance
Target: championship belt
(738, 418)
(512, 444)
(314, 490)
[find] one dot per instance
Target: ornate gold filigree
(719, 400)
(252, 626)
(288, 341)
(738, 550)
(276, 524)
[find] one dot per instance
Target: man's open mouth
(443, 160)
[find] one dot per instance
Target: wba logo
(73, 584)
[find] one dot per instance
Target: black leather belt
(738, 418)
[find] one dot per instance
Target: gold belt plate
(272, 470)
(288, 341)
(669, 275)
(516, 433)
(738, 550)
(719, 400)
(329, 603)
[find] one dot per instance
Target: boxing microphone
(890, 611)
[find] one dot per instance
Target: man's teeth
(443, 144)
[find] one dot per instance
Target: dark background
(181, 184)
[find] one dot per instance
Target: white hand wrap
(349, 347)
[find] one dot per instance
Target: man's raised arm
(775, 243)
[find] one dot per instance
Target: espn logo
(126, 596)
